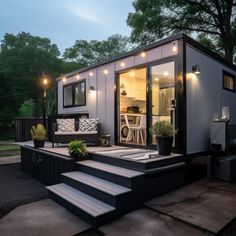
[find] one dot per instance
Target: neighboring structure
(175, 79)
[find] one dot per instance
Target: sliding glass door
(163, 93)
(132, 107)
(135, 114)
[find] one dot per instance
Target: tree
(23, 59)
(90, 52)
(212, 19)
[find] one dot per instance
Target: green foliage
(163, 129)
(77, 147)
(216, 19)
(38, 132)
(23, 59)
(27, 108)
(90, 52)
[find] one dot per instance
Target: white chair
(137, 131)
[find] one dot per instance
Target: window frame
(73, 93)
(224, 72)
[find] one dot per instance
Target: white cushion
(66, 125)
(75, 132)
(88, 124)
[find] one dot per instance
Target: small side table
(105, 140)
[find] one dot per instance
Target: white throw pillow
(88, 124)
(66, 125)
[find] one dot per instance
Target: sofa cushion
(65, 125)
(75, 132)
(88, 124)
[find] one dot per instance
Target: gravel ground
(18, 188)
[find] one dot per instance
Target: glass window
(228, 81)
(68, 101)
(75, 94)
(163, 93)
(80, 94)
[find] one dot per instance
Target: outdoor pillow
(66, 125)
(88, 124)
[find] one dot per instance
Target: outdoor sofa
(66, 130)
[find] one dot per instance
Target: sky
(64, 21)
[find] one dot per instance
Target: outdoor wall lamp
(174, 47)
(196, 69)
(105, 71)
(64, 79)
(91, 88)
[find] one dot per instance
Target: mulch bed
(18, 188)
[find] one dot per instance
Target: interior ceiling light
(132, 73)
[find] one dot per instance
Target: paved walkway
(9, 160)
(201, 208)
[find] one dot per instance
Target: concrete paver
(44, 217)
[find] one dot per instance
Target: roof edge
(160, 42)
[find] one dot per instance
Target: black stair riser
(112, 177)
(95, 222)
(96, 193)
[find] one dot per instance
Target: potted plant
(38, 133)
(164, 132)
(77, 149)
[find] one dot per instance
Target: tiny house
(175, 79)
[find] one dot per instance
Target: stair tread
(81, 200)
(95, 182)
(111, 168)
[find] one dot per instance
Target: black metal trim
(73, 84)
(224, 72)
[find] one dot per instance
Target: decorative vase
(164, 145)
(39, 143)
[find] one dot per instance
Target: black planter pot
(74, 155)
(39, 143)
(164, 145)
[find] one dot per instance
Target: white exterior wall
(100, 103)
(205, 96)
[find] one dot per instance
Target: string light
(122, 64)
(143, 54)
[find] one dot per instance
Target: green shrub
(163, 129)
(78, 148)
(38, 132)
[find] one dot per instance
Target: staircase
(99, 192)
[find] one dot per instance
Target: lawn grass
(7, 155)
(9, 147)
